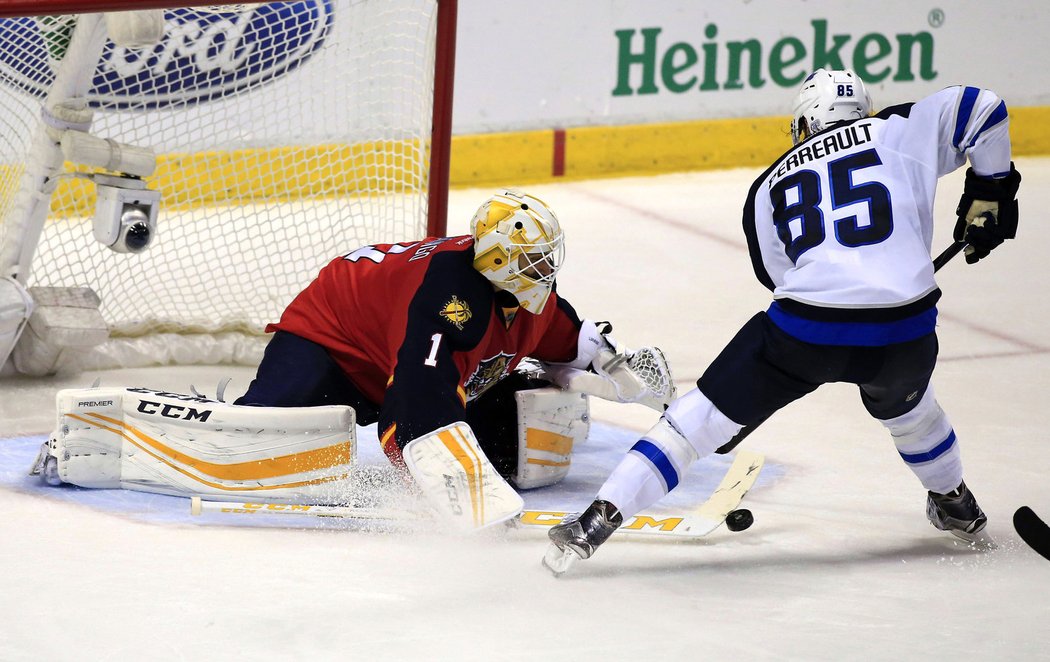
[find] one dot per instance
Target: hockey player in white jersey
(840, 230)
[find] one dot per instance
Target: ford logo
(204, 54)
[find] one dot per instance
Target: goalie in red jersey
(424, 337)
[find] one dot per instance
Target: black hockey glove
(987, 213)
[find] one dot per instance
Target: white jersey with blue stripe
(840, 227)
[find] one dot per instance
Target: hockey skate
(958, 513)
(580, 537)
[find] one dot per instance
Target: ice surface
(841, 563)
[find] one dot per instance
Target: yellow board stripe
(280, 174)
(464, 453)
(550, 442)
(192, 181)
(322, 458)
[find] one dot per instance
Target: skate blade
(980, 540)
(558, 560)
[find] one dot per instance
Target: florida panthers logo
(457, 312)
(488, 372)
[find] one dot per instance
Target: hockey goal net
(284, 134)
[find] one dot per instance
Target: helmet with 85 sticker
(828, 97)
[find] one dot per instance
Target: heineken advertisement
(681, 67)
(611, 62)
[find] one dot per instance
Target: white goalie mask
(827, 97)
(518, 246)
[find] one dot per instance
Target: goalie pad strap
(457, 479)
(550, 423)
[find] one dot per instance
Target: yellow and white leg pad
(186, 445)
(458, 480)
(550, 423)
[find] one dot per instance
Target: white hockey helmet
(827, 97)
(519, 246)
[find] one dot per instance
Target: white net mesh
(650, 366)
(287, 133)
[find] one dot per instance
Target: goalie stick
(671, 525)
(1033, 531)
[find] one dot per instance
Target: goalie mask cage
(285, 134)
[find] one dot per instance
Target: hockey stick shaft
(947, 254)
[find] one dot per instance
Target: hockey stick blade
(1033, 531)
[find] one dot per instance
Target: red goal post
(284, 133)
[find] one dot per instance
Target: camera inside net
(125, 214)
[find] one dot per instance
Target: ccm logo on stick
(173, 411)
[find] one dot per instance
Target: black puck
(738, 520)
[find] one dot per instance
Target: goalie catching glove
(608, 370)
(987, 213)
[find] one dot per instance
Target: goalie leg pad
(185, 445)
(550, 423)
(457, 479)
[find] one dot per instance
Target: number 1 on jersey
(435, 343)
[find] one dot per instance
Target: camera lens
(137, 234)
(138, 237)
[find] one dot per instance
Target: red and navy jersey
(420, 332)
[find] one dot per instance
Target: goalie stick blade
(1033, 531)
(670, 525)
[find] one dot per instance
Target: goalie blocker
(186, 445)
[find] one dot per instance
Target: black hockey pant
(762, 369)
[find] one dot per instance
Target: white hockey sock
(651, 469)
(633, 486)
(691, 428)
(704, 426)
(926, 442)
